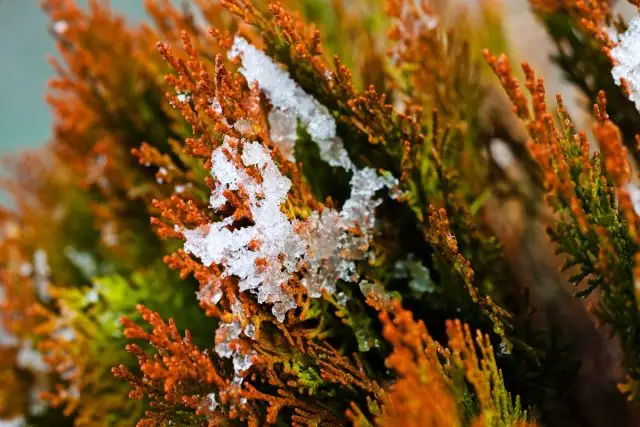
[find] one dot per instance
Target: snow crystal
(322, 243)
(419, 275)
(226, 333)
(627, 58)
(283, 132)
(289, 98)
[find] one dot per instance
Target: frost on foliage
(627, 57)
(278, 246)
(225, 334)
(290, 99)
(324, 246)
(331, 249)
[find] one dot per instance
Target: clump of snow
(280, 246)
(264, 256)
(226, 333)
(7, 339)
(265, 268)
(331, 249)
(627, 58)
(285, 95)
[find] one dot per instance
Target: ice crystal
(627, 58)
(289, 98)
(331, 249)
(225, 334)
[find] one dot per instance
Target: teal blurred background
(25, 120)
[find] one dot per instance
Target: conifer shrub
(325, 213)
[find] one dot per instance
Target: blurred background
(25, 42)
